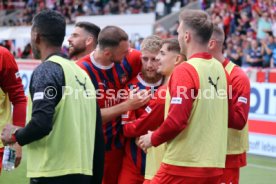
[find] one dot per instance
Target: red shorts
(112, 166)
(129, 173)
(230, 176)
(162, 177)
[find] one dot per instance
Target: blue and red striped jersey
(133, 153)
(108, 80)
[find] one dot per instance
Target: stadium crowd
(73, 8)
(250, 28)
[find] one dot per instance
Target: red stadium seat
(272, 76)
(261, 75)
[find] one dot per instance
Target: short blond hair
(151, 44)
(199, 22)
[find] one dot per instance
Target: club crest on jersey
(123, 78)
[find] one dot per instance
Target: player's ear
(89, 40)
(211, 44)
(187, 36)
(107, 52)
(178, 59)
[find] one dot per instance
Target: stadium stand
(244, 21)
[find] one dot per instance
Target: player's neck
(166, 78)
(100, 59)
(84, 53)
(196, 48)
(49, 50)
(219, 57)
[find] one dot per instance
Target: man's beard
(36, 52)
(153, 79)
(74, 51)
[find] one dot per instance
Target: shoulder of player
(7, 59)
(48, 69)
(239, 75)
(185, 69)
(47, 74)
(83, 59)
(4, 51)
(133, 54)
(184, 74)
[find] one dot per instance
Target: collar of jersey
(203, 55)
(144, 83)
(98, 65)
(225, 62)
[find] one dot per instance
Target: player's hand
(18, 152)
(139, 145)
(137, 141)
(137, 98)
(6, 135)
(145, 141)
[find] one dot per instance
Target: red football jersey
(108, 81)
(135, 156)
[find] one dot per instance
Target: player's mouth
(70, 46)
(150, 71)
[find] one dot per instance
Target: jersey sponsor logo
(148, 109)
(242, 99)
(123, 78)
(38, 96)
(176, 100)
(214, 84)
(17, 75)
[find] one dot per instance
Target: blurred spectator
(274, 23)
(160, 9)
(173, 29)
(113, 6)
(268, 45)
(27, 52)
(273, 59)
(255, 54)
(264, 26)
(161, 31)
(7, 44)
(235, 54)
(19, 53)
